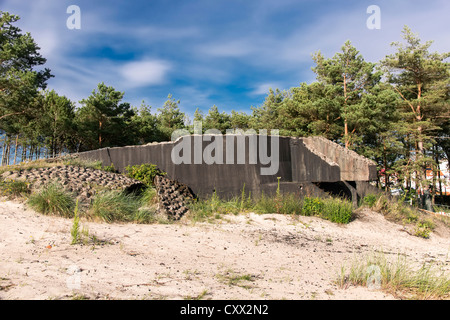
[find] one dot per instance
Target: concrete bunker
(312, 166)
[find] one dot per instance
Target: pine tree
(311, 110)
(239, 120)
(170, 118)
(103, 118)
(144, 124)
(57, 122)
(266, 116)
(349, 76)
(216, 120)
(421, 79)
(19, 82)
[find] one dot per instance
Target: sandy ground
(247, 256)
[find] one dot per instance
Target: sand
(248, 256)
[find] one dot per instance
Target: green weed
(75, 231)
(110, 168)
(233, 278)
(334, 209)
(337, 210)
(370, 200)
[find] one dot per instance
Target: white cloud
(145, 72)
(263, 88)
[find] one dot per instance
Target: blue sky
(206, 52)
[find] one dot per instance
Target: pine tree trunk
(15, 149)
(386, 176)
(7, 150)
(30, 154)
(3, 151)
(100, 134)
(433, 187)
(24, 153)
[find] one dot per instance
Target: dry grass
(396, 211)
(398, 277)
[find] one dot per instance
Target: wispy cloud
(144, 72)
(263, 88)
(229, 48)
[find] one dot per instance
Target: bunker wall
(300, 164)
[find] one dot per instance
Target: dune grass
(334, 209)
(53, 199)
(115, 206)
(396, 276)
(399, 212)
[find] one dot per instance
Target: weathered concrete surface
(84, 183)
(172, 197)
(304, 163)
(353, 167)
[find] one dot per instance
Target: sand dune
(247, 256)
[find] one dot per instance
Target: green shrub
(53, 199)
(424, 228)
(110, 168)
(145, 172)
(337, 210)
(422, 231)
(312, 206)
(13, 188)
(370, 200)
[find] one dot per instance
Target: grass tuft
(53, 199)
(113, 206)
(149, 197)
(399, 278)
